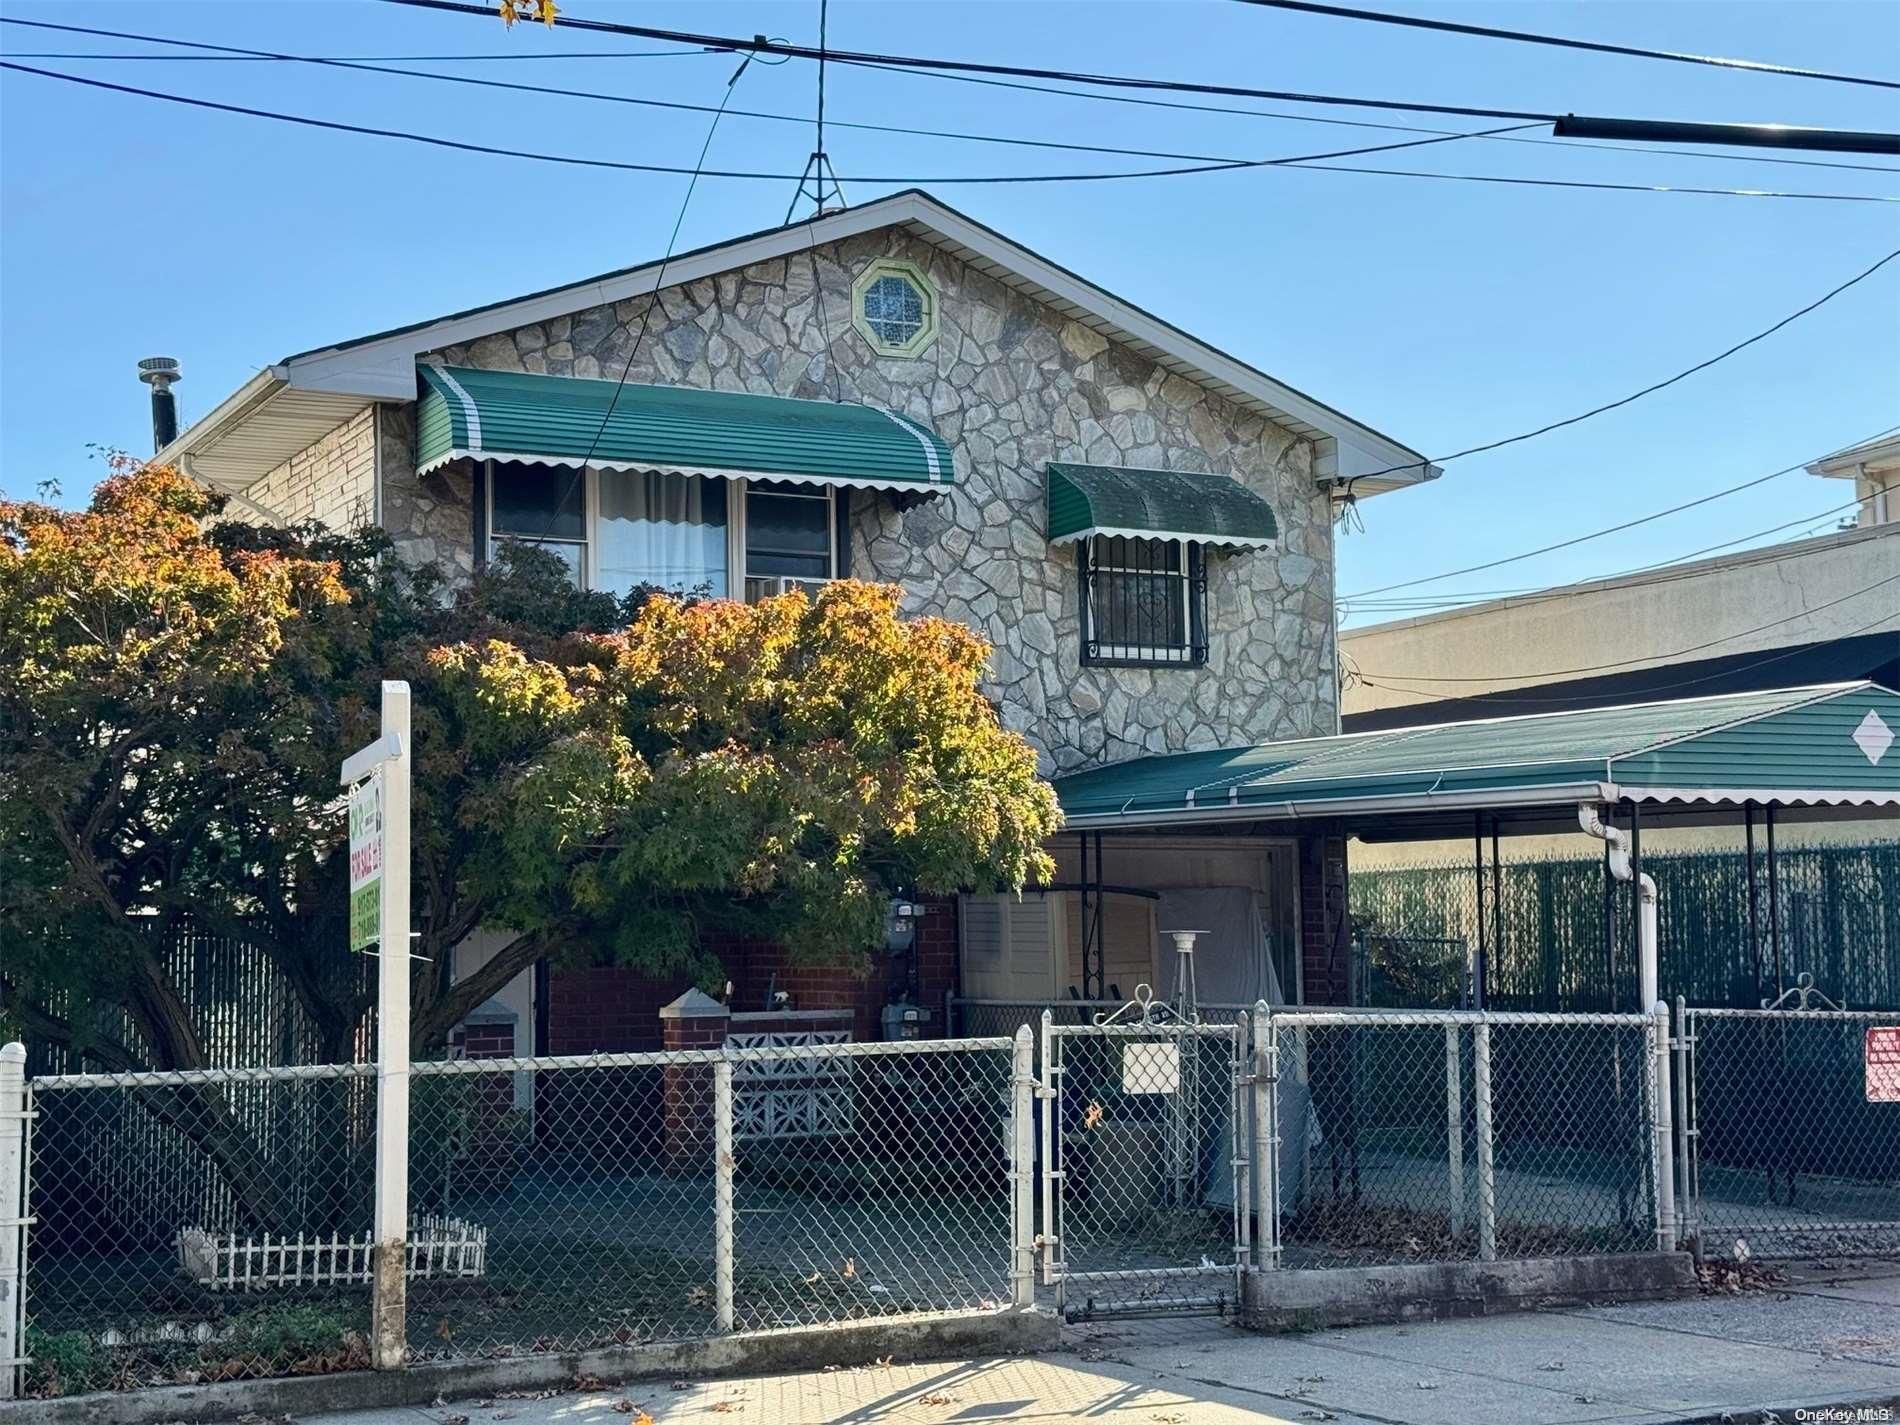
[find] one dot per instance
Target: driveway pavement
(1828, 1338)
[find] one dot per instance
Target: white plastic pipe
(1593, 825)
(1649, 981)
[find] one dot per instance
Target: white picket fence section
(438, 1247)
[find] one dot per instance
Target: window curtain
(668, 530)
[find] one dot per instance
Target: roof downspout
(1661, 1114)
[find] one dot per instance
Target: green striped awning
(1087, 500)
(565, 420)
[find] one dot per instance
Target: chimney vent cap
(159, 370)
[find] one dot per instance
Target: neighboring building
(1807, 612)
(1140, 524)
(1874, 467)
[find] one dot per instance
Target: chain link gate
(1146, 1164)
(1790, 1147)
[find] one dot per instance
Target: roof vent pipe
(159, 372)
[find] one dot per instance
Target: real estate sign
(366, 861)
(1882, 1061)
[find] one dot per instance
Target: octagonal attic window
(895, 308)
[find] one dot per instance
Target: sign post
(378, 778)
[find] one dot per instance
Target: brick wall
(611, 1009)
(1323, 959)
(606, 1009)
(332, 481)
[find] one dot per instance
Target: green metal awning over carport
(565, 420)
(1812, 747)
(1087, 500)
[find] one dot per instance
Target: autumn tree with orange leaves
(606, 780)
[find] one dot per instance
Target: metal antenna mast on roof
(819, 181)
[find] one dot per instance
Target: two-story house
(1142, 525)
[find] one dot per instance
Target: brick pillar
(1324, 948)
(693, 1021)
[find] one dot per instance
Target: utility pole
(819, 181)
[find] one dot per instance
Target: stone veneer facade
(1010, 385)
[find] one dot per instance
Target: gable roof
(287, 406)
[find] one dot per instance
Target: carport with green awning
(1820, 753)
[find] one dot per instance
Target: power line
(1384, 17)
(369, 62)
(1616, 528)
(1649, 390)
(1373, 124)
(237, 52)
(1678, 653)
(659, 282)
(1454, 606)
(343, 58)
(575, 160)
(1312, 163)
(1743, 134)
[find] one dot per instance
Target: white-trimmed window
(618, 530)
(894, 307)
(790, 537)
(1144, 601)
(541, 505)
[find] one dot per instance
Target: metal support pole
(1266, 1139)
(1662, 1122)
(725, 1165)
(1774, 900)
(1689, 1228)
(389, 1303)
(1051, 1097)
(1496, 952)
(1022, 1109)
(12, 1213)
(1477, 871)
(1241, 1155)
(1455, 1127)
(1754, 898)
(1487, 1175)
(1636, 902)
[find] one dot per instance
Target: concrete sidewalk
(1826, 1339)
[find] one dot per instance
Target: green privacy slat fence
(1839, 918)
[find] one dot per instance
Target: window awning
(1828, 746)
(564, 420)
(1087, 500)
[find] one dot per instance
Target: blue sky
(1445, 314)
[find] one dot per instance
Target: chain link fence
(1787, 1153)
(557, 1205)
(1457, 1136)
(197, 1227)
